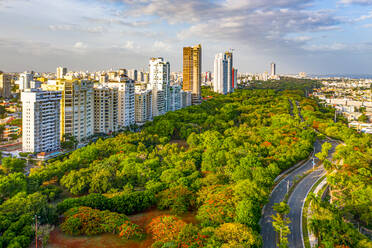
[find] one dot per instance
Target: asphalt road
(277, 195)
(296, 201)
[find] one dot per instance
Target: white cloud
(162, 46)
(360, 2)
(80, 45)
(364, 17)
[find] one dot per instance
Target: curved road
(277, 195)
(297, 199)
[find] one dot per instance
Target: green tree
(280, 223)
(11, 165)
(69, 142)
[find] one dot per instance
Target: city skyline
(313, 36)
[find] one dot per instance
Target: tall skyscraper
(105, 109)
(192, 69)
(40, 120)
(5, 85)
(77, 106)
(159, 84)
(220, 74)
(273, 69)
(224, 81)
(61, 72)
(229, 59)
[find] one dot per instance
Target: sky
(313, 36)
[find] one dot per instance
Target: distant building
(273, 69)
(103, 78)
(123, 72)
(77, 106)
(105, 109)
(220, 74)
(61, 72)
(159, 84)
(192, 69)
(229, 67)
(175, 98)
(186, 99)
(235, 78)
(133, 74)
(24, 80)
(143, 106)
(5, 85)
(302, 75)
(11, 130)
(41, 120)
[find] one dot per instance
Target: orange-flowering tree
(165, 228)
(88, 221)
(217, 205)
(129, 230)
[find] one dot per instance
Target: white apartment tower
(40, 120)
(61, 72)
(126, 106)
(159, 80)
(220, 74)
(105, 109)
(230, 75)
(224, 73)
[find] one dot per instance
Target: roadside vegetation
(233, 148)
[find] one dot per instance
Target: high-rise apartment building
(126, 105)
(105, 109)
(40, 120)
(273, 69)
(220, 74)
(159, 84)
(5, 85)
(224, 81)
(229, 59)
(61, 72)
(175, 98)
(192, 69)
(235, 78)
(186, 99)
(77, 106)
(143, 106)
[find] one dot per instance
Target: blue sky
(329, 36)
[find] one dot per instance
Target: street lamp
(313, 163)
